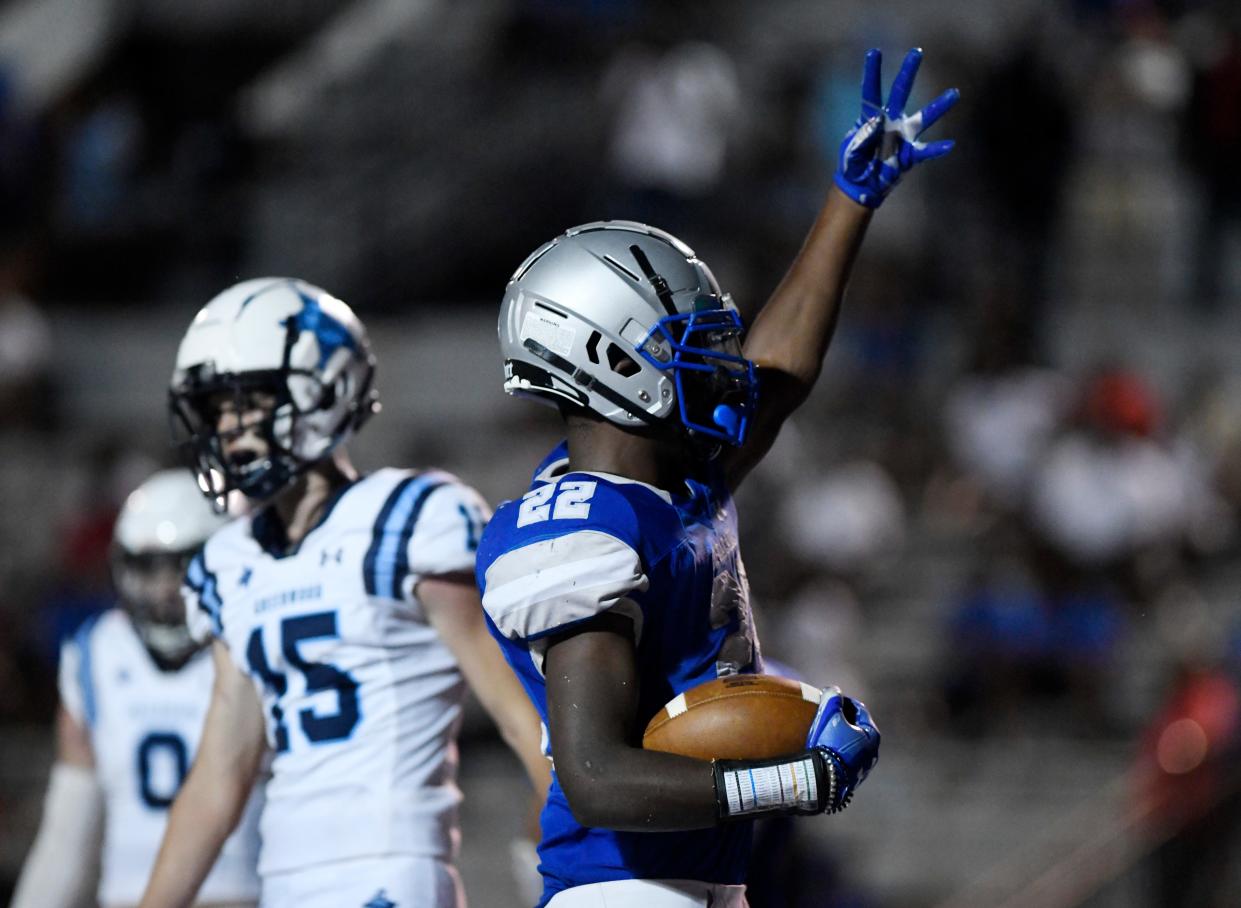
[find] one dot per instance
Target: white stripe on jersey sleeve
(546, 585)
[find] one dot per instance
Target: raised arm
(211, 801)
(455, 612)
(790, 335)
(61, 870)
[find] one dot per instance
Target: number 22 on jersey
(565, 500)
(319, 728)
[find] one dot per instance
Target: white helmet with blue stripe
(284, 338)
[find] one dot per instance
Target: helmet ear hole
(621, 362)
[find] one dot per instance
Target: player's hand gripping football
(883, 143)
(842, 729)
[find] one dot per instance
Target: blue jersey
(579, 544)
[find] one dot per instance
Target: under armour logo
(324, 557)
(380, 901)
(246, 574)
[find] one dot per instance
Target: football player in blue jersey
(134, 688)
(343, 621)
(615, 583)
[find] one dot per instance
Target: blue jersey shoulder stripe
(204, 583)
(86, 677)
(407, 533)
(387, 560)
(372, 553)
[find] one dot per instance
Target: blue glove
(843, 731)
(883, 143)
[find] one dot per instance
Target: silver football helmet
(297, 345)
(161, 525)
(624, 320)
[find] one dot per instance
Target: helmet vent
(555, 312)
(622, 269)
(592, 347)
(621, 362)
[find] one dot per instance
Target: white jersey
(144, 727)
(361, 696)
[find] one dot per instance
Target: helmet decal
(330, 333)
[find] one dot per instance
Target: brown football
(737, 717)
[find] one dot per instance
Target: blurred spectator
(1212, 438)
(1101, 514)
(1187, 783)
(1107, 490)
(1213, 146)
(818, 630)
(839, 529)
(81, 584)
(23, 165)
(1003, 411)
(1014, 643)
(1150, 78)
(675, 111)
(26, 398)
(846, 521)
(883, 334)
(102, 158)
(1022, 167)
(998, 640)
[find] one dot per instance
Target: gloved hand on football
(883, 143)
(844, 732)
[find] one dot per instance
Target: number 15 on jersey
(319, 728)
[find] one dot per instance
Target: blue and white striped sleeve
(203, 606)
(429, 525)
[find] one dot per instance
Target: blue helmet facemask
(716, 387)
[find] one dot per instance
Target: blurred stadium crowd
(1008, 518)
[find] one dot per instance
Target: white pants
(651, 894)
(394, 881)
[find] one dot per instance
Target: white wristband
(788, 786)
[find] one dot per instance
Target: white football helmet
(288, 339)
(161, 525)
(624, 320)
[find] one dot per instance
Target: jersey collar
(268, 530)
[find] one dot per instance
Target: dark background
(1007, 518)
